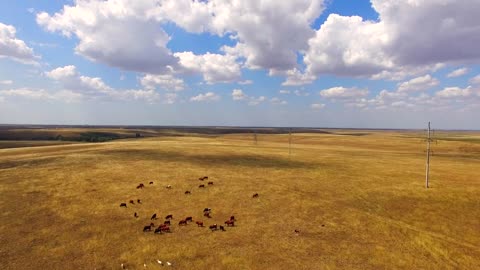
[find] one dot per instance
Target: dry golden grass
(60, 204)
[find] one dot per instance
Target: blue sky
(322, 63)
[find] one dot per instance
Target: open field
(60, 203)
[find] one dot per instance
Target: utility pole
(428, 156)
(255, 137)
(289, 142)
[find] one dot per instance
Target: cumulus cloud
(317, 106)
(343, 93)
(407, 34)
(116, 33)
(253, 101)
(41, 94)
(245, 82)
(277, 101)
(96, 88)
(301, 93)
(264, 39)
(455, 92)
(237, 94)
(475, 80)
(457, 73)
(166, 81)
(296, 77)
(209, 96)
(14, 48)
(214, 67)
(284, 92)
(418, 84)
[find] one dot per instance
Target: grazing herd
(165, 227)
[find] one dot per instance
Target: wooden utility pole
(289, 142)
(428, 156)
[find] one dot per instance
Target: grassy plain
(60, 203)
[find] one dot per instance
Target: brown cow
(255, 195)
(222, 228)
(135, 215)
(147, 228)
(230, 223)
(138, 201)
(205, 178)
(207, 210)
(232, 218)
(189, 219)
(123, 205)
(131, 201)
(210, 183)
(213, 227)
(158, 230)
(199, 223)
(201, 178)
(151, 183)
(153, 217)
(140, 186)
(166, 229)
(188, 192)
(166, 222)
(201, 186)
(182, 222)
(169, 216)
(207, 214)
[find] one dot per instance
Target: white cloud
(408, 34)
(14, 48)
(418, 84)
(95, 88)
(317, 106)
(237, 94)
(296, 77)
(301, 93)
(245, 82)
(209, 96)
(214, 67)
(457, 73)
(266, 39)
(6, 82)
(401, 104)
(167, 82)
(343, 93)
(253, 101)
(263, 39)
(454, 92)
(277, 101)
(62, 73)
(284, 92)
(116, 33)
(26, 93)
(475, 80)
